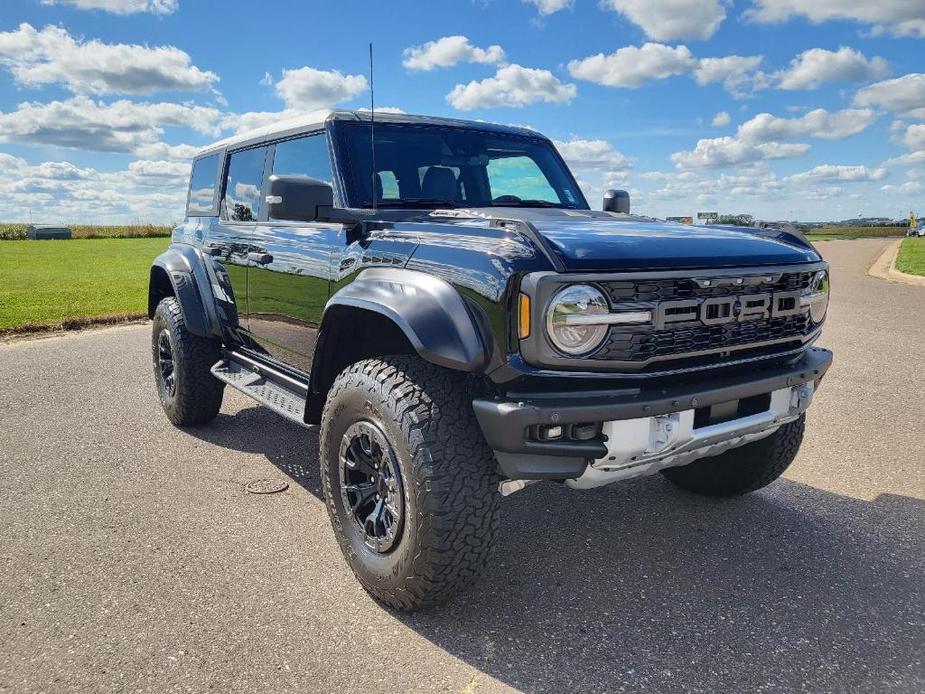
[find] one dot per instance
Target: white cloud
(907, 188)
(146, 191)
(670, 20)
(818, 123)
(904, 94)
(591, 154)
(52, 56)
(121, 6)
(838, 172)
(448, 51)
(512, 85)
(82, 123)
(308, 89)
(159, 171)
(596, 165)
(251, 120)
(720, 152)
(632, 66)
(817, 65)
(915, 137)
(911, 159)
(161, 150)
(739, 74)
(900, 17)
(721, 119)
(547, 7)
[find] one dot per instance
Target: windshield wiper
(417, 202)
(529, 203)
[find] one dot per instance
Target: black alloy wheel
(371, 485)
(165, 364)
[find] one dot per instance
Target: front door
(289, 279)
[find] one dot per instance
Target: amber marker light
(524, 317)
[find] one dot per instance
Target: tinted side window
(245, 181)
(304, 156)
(202, 186)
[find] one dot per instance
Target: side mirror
(616, 201)
(297, 198)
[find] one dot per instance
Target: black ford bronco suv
(438, 297)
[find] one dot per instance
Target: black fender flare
(431, 313)
(185, 267)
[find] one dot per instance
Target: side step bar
(282, 394)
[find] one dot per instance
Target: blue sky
(810, 109)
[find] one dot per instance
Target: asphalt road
(131, 558)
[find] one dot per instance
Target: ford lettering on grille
(719, 310)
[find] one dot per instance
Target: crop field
(911, 258)
(846, 233)
(65, 284)
(13, 232)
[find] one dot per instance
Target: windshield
(433, 166)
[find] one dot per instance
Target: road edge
(9, 336)
(884, 267)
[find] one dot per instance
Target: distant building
(47, 231)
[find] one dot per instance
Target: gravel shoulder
(132, 559)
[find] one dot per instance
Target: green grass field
(848, 233)
(911, 258)
(61, 284)
(17, 232)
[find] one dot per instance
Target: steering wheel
(506, 198)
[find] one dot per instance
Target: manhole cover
(266, 486)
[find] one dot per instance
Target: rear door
(287, 292)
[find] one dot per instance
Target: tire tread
(453, 478)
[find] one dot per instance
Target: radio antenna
(372, 127)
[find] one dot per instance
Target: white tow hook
(800, 397)
(662, 435)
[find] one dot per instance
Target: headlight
(817, 296)
(573, 319)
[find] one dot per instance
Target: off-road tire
(449, 479)
(197, 394)
(744, 469)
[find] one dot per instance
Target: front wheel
(410, 484)
(744, 469)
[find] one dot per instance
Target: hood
(588, 240)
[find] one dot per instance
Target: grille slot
(672, 289)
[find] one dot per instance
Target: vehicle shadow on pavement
(643, 587)
(293, 449)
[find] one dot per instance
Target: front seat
(439, 183)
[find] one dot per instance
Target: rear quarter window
(244, 185)
(201, 199)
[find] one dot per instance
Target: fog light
(550, 433)
(585, 432)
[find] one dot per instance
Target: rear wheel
(410, 484)
(742, 469)
(188, 391)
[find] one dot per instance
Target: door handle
(260, 258)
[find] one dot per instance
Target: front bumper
(507, 423)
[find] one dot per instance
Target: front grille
(674, 289)
(688, 341)
(625, 344)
